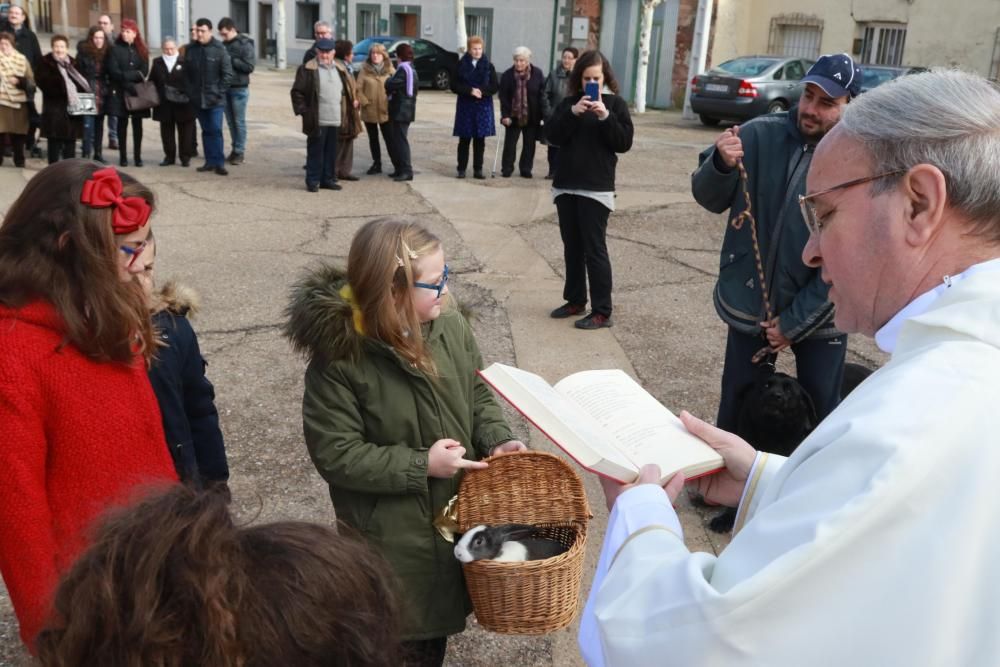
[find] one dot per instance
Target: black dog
(776, 414)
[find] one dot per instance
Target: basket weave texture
(534, 597)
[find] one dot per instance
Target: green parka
(369, 419)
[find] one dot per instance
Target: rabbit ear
(514, 531)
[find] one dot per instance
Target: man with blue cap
(776, 150)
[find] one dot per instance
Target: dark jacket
(26, 42)
(402, 107)
(175, 78)
(474, 117)
(305, 96)
(92, 68)
(186, 397)
(369, 418)
(555, 89)
(125, 68)
(209, 73)
(242, 56)
(588, 146)
(309, 54)
(508, 87)
(56, 122)
(777, 158)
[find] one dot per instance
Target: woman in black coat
(521, 111)
(91, 55)
(401, 88)
(127, 65)
(175, 110)
(56, 72)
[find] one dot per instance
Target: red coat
(76, 437)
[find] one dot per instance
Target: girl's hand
(478, 94)
(444, 459)
(582, 106)
(599, 109)
(509, 447)
(505, 122)
(726, 486)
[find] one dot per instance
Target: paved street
(240, 242)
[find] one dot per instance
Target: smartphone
(592, 90)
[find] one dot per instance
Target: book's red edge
(563, 449)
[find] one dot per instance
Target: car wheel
(708, 120)
(442, 80)
(776, 106)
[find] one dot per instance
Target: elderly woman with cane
(521, 111)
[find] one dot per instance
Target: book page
(642, 428)
(561, 419)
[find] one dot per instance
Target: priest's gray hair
(522, 52)
(946, 118)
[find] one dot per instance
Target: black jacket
(186, 398)
(508, 88)
(56, 122)
(25, 42)
(209, 73)
(402, 107)
(159, 75)
(92, 68)
(241, 54)
(124, 68)
(588, 146)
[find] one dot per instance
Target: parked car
(746, 87)
(875, 75)
(434, 64)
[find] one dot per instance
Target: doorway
(405, 20)
(268, 45)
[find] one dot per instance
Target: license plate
(716, 88)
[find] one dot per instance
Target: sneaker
(348, 177)
(221, 171)
(331, 186)
(312, 187)
(205, 167)
(374, 169)
(593, 321)
(236, 158)
(460, 173)
(478, 173)
(113, 144)
(568, 310)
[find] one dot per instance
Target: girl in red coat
(79, 426)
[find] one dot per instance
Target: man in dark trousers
(776, 150)
(209, 73)
(317, 96)
(108, 27)
(241, 53)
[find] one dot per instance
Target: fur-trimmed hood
(178, 299)
(323, 323)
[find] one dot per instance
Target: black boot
(122, 151)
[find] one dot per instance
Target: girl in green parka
(393, 412)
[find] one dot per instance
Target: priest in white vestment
(878, 541)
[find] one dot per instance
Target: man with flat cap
(776, 150)
(875, 544)
(317, 97)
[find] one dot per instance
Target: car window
(746, 66)
(422, 49)
(794, 70)
(777, 76)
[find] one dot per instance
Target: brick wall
(687, 13)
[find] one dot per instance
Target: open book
(606, 422)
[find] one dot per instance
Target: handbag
(86, 105)
(145, 97)
(175, 95)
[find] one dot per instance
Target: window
(794, 71)
(239, 11)
(795, 35)
(479, 22)
(367, 23)
(995, 60)
(883, 43)
(306, 14)
(421, 48)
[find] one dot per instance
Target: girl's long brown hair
(380, 270)
(589, 59)
(174, 581)
(91, 50)
(55, 249)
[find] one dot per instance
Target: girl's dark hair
(572, 49)
(139, 43)
(91, 50)
(7, 36)
(404, 53)
(342, 48)
(54, 248)
(174, 581)
(589, 59)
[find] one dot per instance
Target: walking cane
(493, 174)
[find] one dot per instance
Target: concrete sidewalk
(241, 240)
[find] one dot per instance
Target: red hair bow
(104, 189)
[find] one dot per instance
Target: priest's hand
(726, 486)
(648, 474)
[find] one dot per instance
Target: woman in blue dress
(475, 83)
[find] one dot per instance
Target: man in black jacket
(776, 150)
(209, 73)
(241, 53)
(321, 30)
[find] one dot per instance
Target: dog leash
(747, 215)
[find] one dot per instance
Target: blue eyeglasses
(439, 287)
(133, 252)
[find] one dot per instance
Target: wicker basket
(533, 597)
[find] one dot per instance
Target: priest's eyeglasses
(813, 220)
(438, 287)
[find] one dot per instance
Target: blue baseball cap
(836, 74)
(325, 44)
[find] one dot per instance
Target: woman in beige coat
(374, 102)
(17, 86)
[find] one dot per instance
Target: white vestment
(876, 543)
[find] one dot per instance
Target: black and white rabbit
(510, 542)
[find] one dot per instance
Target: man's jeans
(211, 136)
(236, 117)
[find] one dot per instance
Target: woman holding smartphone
(590, 126)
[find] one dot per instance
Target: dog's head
(781, 398)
